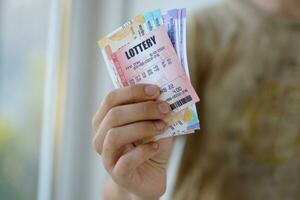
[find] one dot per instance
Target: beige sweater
(246, 67)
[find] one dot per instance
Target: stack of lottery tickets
(151, 49)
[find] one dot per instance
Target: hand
(125, 116)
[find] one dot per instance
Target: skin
(138, 172)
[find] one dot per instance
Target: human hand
(126, 116)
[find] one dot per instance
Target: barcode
(181, 102)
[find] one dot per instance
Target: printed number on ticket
(152, 59)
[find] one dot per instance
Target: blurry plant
(17, 181)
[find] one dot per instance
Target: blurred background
(52, 79)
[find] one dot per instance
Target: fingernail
(151, 90)
(160, 125)
(164, 108)
(155, 146)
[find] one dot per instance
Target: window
(23, 41)
(52, 79)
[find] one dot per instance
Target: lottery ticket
(131, 30)
(152, 59)
(175, 23)
(124, 53)
(180, 123)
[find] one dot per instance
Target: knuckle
(106, 166)
(148, 128)
(95, 122)
(96, 144)
(145, 151)
(110, 98)
(110, 138)
(106, 103)
(114, 114)
(146, 107)
(149, 107)
(135, 92)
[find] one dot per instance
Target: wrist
(134, 197)
(113, 191)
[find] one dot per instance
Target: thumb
(133, 159)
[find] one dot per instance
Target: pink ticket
(152, 59)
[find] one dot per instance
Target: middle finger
(117, 138)
(122, 115)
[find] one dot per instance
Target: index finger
(126, 95)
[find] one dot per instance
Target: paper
(151, 48)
